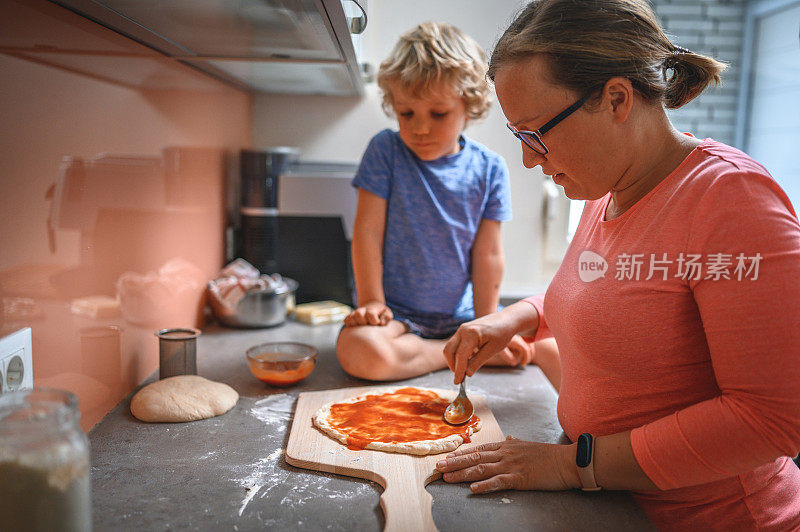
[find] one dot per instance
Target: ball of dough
(182, 398)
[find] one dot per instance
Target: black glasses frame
(533, 139)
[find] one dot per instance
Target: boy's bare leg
(546, 356)
(543, 353)
(388, 352)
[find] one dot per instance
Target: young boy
(426, 251)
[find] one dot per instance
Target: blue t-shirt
(432, 215)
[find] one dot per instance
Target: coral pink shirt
(690, 337)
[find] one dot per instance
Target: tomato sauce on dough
(405, 415)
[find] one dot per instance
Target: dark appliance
(313, 250)
(258, 207)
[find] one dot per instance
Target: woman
(677, 306)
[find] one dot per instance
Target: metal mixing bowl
(262, 308)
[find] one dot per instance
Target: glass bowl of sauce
(281, 363)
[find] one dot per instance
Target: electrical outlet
(16, 361)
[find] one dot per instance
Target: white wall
(338, 129)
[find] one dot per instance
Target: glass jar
(44, 462)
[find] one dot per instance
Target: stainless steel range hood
(284, 46)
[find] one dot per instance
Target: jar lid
(36, 405)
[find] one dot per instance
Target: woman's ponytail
(687, 74)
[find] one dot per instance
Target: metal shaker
(177, 352)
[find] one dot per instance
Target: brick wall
(715, 28)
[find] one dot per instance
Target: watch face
(584, 455)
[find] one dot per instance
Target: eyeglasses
(533, 139)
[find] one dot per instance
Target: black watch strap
(584, 459)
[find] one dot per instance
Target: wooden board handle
(407, 506)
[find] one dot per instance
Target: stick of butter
(320, 312)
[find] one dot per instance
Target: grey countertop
(228, 472)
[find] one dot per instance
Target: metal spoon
(460, 410)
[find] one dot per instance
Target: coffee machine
(258, 207)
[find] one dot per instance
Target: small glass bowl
(281, 363)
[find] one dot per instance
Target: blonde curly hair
(432, 52)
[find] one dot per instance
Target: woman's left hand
(512, 464)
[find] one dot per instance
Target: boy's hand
(518, 353)
(372, 313)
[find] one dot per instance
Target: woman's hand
(371, 313)
(512, 464)
(477, 341)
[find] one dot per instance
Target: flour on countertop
(269, 474)
(253, 483)
(251, 492)
(266, 475)
(274, 411)
(275, 399)
(492, 398)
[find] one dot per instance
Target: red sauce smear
(405, 415)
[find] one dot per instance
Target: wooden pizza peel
(405, 501)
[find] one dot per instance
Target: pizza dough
(396, 440)
(182, 398)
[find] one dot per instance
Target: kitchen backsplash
(112, 197)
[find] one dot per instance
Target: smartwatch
(584, 459)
